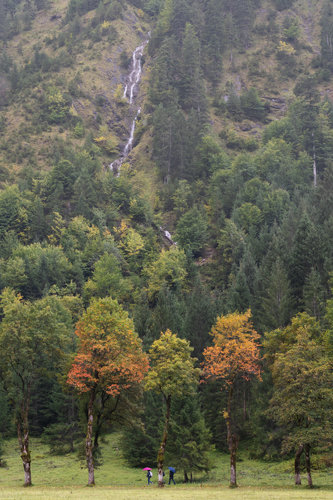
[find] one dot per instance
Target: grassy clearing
(116, 480)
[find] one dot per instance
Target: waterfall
(129, 143)
(129, 90)
(167, 235)
(135, 74)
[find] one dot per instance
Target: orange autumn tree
(233, 356)
(110, 359)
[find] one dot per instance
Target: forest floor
(66, 476)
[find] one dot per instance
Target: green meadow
(66, 477)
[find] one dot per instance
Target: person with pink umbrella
(149, 474)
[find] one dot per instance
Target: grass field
(168, 493)
(65, 477)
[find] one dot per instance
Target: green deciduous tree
(56, 106)
(302, 401)
(192, 231)
(107, 279)
(33, 339)
(33, 269)
(168, 270)
(182, 197)
(173, 374)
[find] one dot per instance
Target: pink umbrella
(146, 468)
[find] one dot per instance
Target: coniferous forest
(166, 232)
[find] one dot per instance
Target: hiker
(149, 476)
(171, 473)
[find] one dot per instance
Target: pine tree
(214, 41)
(189, 439)
(181, 15)
(277, 300)
(201, 312)
(164, 74)
(314, 295)
(303, 255)
(326, 41)
(168, 135)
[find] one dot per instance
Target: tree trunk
(161, 452)
(232, 440)
(314, 162)
(297, 464)
(23, 439)
(233, 450)
(89, 441)
(100, 416)
(185, 477)
(71, 419)
(98, 427)
(308, 465)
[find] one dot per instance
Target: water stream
(132, 82)
(168, 236)
(129, 142)
(135, 74)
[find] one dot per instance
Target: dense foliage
(233, 155)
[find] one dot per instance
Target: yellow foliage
(286, 48)
(100, 139)
(121, 231)
(168, 270)
(106, 140)
(134, 242)
(105, 25)
(73, 111)
(235, 350)
(130, 240)
(125, 169)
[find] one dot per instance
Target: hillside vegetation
(215, 223)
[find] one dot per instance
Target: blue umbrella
(172, 469)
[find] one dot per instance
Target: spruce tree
(189, 439)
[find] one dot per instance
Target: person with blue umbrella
(172, 471)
